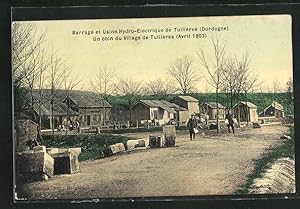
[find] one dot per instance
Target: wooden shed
(275, 109)
(187, 102)
(210, 109)
(245, 112)
(88, 107)
(156, 112)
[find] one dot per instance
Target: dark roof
(275, 105)
(188, 98)
(59, 109)
(248, 104)
(178, 108)
(88, 99)
(168, 106)
(214, 105)
(81, 99)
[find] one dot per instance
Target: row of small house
(91, 110)
(181, 108)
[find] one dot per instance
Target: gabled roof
(88, 99)
(81, 98)
(59, 109)
(178, 108)
(188, 98)
(214, 105)
(163, 104)
(248, 104)
(155, 103)
(84, 99)
(276, 105)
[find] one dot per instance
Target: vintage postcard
(153, 107)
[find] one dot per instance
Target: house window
(168, 114)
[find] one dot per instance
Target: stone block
(33, 164)
(65, 160)
(286, 137)
(39, 148)
(156, 141)
(25, 130)
(65, 163)
(256, 125)
(131, 144)
(141, 143)
(120, 147)
(114, 149)
(107, 152)
(169, 132)
(75, 151)
(52, 150)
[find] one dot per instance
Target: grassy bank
(91, 145)
(286, 148)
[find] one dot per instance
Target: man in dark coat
(230, 122)
(191, 125)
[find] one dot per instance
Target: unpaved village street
(211, 165)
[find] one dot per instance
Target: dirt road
(211, 165)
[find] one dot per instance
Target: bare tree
(229, 75)
(184, 75)
(103, 84)
(33, 68)
(56, 69)
(70, 82)
(26, 48)
(131, 91)
(44, 64)
(247, 79)
(159, 88)
(214, 65)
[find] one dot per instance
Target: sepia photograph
(153, 107)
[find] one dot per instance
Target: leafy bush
(91, 145)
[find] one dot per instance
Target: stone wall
(25, 130)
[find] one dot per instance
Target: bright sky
(267, 38)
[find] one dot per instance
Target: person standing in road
(230, 122)
(192, 125)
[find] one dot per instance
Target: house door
(88, 120)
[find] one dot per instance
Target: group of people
(69, 124)
(192, 124)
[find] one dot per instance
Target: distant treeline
(261, 100)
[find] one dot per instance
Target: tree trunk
(248, 109)
(231, 95)
(52, 110)
(130, 117)
(52, 119)
(217, 95)
(40, 109)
